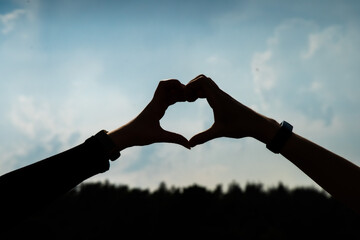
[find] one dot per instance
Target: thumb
(171, 137)
(203, 137)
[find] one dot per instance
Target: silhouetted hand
(145, 128)
(231, 118)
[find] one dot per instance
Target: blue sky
(71, 68)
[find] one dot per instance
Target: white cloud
(9, 20)
(316, 86)
(314, 44)
(45, 129)
(328, 39)
(27, 117)
(332, 55)
(307, 67)
(317, 70)
(49, 119)
(264, 75)
(9, 154)
(39, 124)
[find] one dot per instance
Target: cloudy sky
(71, 68)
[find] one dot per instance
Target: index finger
(169, 92)
(200, 87)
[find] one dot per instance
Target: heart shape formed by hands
(231, 118)
(227, 111)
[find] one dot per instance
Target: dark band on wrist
(281, 137)
(108, 146)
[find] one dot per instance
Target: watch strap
(280, 138)
(108, 146)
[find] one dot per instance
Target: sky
(71, 68)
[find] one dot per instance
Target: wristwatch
(281, 137)
(108, 146)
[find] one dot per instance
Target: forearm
(232, 119)
(28, 189)
(336, 175)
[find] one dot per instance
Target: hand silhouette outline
(231, 118)
(145, 129)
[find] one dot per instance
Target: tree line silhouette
(108, 211)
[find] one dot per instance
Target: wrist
(281, 137)
(266, 129)
(107, 144)
(120, 137)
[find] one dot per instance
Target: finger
(177, 93)
(171, 91)
(167, 93)
(201, 87)
(198, 77)
(203, 137)
(171, 137)
(193, 90)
